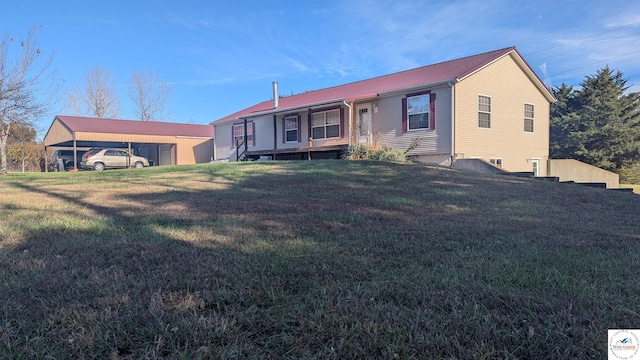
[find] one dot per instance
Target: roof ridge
(443, 71)
(62, 117)
(404, 71)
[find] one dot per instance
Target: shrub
(387, 154)
(630, 174)
(362, 152)
(356, 152)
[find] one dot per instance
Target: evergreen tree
(598, 124)
(563, 122)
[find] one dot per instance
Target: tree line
(29, 89)
(599, 124)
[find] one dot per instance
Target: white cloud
(628, 19)
(296, 64)
(189, 21)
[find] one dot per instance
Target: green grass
(318, 259)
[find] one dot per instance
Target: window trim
(326, 110)
(537, 161)
(484, 112)
(251, 127)
(497, 162)
(428, 112)
(432, 111)
(532, 118)
(296, 119)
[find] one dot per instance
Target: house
(491, 106)
(163, 143)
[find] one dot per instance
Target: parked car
(100, 159)
(67, 159)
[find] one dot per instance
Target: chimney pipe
(276, 97)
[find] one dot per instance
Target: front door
(364, 124)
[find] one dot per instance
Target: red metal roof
(134, 127)
(431, 74)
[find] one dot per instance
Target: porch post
(275, 132)
(75, 156)
(310, 137)
(246, 137)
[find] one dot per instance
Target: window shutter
(341, 122)
(432, 112)
(404, 115)
(233, 137)
(299, 128)
(284, 131)
(253, 133)
(309, 123)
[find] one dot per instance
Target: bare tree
(73, 101)
(27, 87)
(150, 96)
(100, 96)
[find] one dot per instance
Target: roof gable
(133, 127)
(448, 71)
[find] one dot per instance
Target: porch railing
(240, 156)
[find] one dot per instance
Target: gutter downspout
(350, 118)
(453, 123)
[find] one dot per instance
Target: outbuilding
(163, 143)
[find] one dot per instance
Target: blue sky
(221, 56)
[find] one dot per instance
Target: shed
(163, 143)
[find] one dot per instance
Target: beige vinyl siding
(263, 137)
(387, 126)
(193, 150)
(509, 88)
(58, 133)
(150, 139)
(264, 133)
(224, 147)
(303, 130)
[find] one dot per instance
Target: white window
(496, 161)
(484, 111)
(291, 128)
(535, 167)
(528, 117)
(418, 111)
(326, 124)
(238, 134)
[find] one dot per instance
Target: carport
(163, 143)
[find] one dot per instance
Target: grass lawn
(319, 259)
